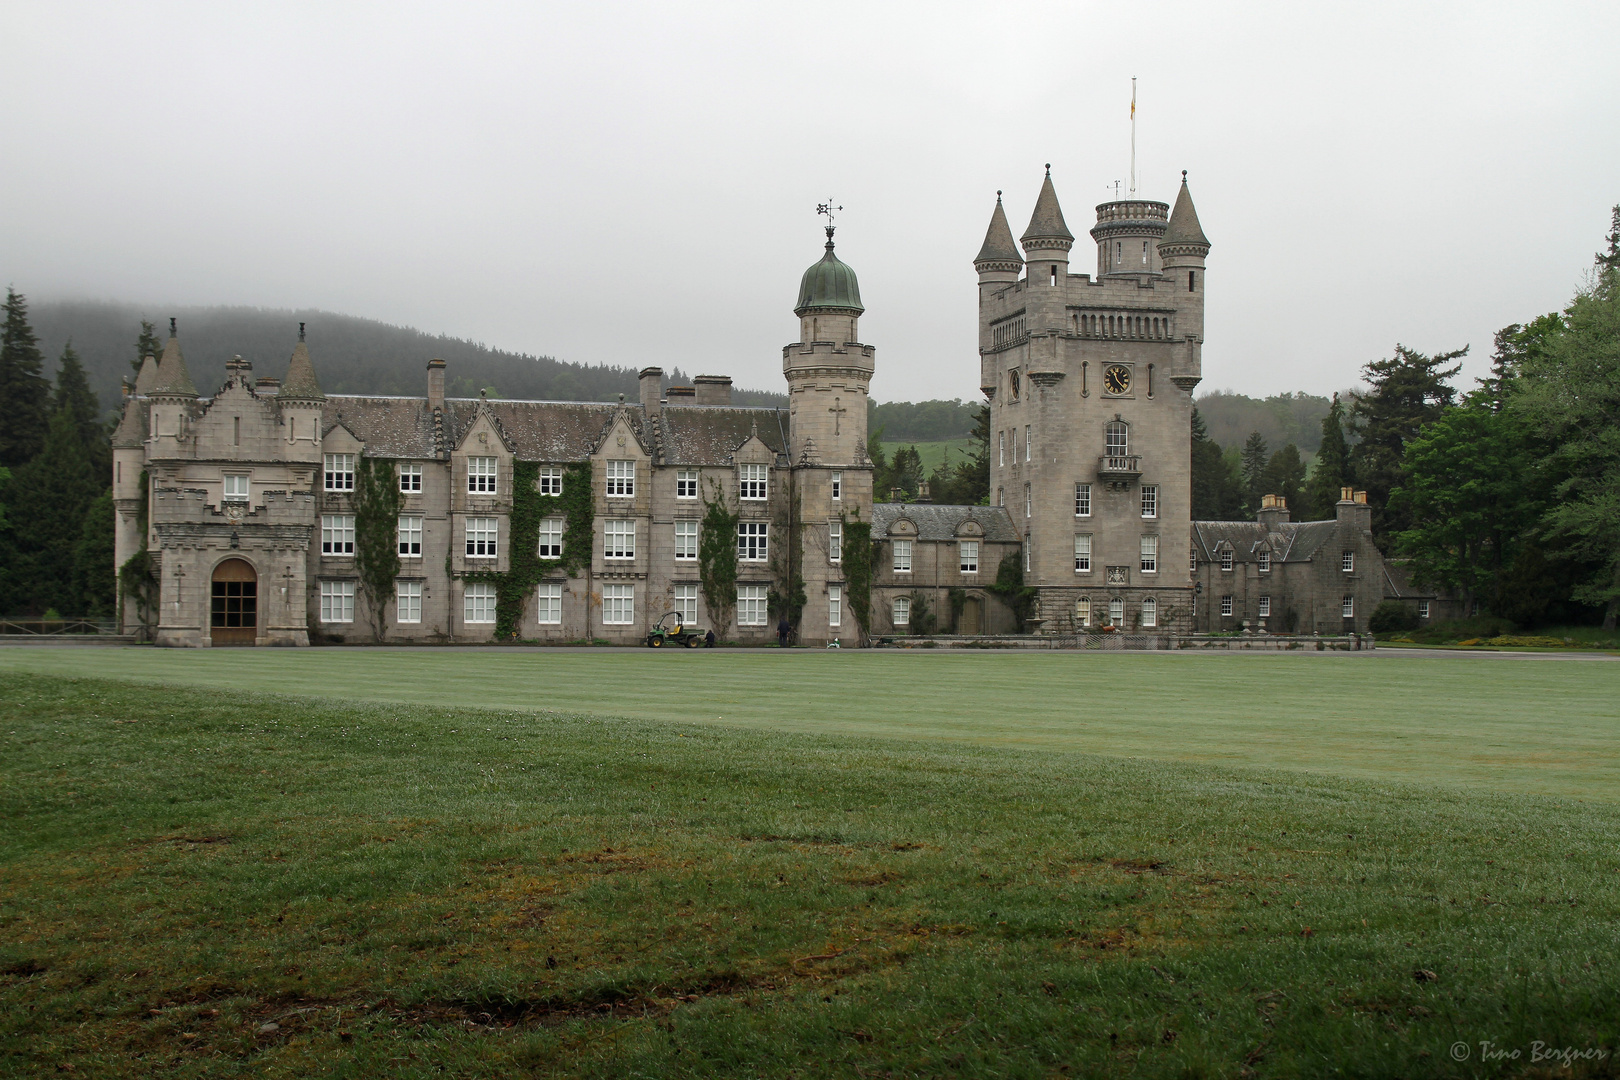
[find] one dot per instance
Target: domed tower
(828, 371)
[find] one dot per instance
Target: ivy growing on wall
(137, 578)
(525, 568)
(1009, 585)
(858, 556)
(717, 560)
(376, 535)
(786, 596)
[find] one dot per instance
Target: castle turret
(1182, 253)
(1047, 240)
(998, 261)
(1128, 234)
(173, 396)
(828, 371)
(829, 307)
(300, 399)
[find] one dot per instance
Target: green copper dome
(829, 284)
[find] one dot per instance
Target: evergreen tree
(1513, 346)
(95, 579)
(146, 345)
(1285, 476)
(46, 502)
(970, 483)
(1408, 391)
(1331, 471)
(1609, 261)
(24, 393)
(1255, 459)
(73, 394)
(1215, 492)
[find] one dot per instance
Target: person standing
(783, 631)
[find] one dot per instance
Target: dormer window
(1264, 561)
(1226, 559)
(752, 482)
(621, 479)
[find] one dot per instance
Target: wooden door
(234, 609)
(970, 616)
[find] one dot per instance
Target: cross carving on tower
(838, 412)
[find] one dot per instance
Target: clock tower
(1090, 382)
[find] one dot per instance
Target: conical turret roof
(1046, 223)
(829, 284)
(146, 378)
(998, 239)
(172, 377)
(1184, 227)
(300, 381)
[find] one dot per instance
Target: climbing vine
(1009, 585)
(525, 568)
(717, 560)
(858, 556)
(786, 596)
(376, 535)
(137, 578)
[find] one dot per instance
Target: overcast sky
(636, 183)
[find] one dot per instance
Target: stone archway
(233, 616)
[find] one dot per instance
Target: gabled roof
(1290, 541)
(940, 521)
(710, 434)
(998, 239)
(1047, 223)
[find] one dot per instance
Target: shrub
(1392, 617)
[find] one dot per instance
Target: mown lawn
(209, 882)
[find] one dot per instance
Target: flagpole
(1133, 137)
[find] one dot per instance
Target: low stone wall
(1138, 642)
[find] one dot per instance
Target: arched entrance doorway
(233, 616)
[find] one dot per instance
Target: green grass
(932, 453)
(414, 891)
(1533, 726)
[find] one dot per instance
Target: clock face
(1117, 380)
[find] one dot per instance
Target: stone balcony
(1123, 470)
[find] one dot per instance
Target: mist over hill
(352, 355)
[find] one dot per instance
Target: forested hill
(1280, 419)
(352, 355)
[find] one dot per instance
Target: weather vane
(829, 209)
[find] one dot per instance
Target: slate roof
(131, 430)
(402, 427)
(1184, 227)
(146, 378)
(300, 381)
(1290, 541)
(998, 239)
(937, 521)
(1047, 223)
(172, 376)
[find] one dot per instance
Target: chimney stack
(713, 389)
(1273, 511)
(1353, 509)
(680, 395)
(435, 384)
(652, 385)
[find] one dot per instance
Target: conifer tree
(1331, 471)
(73, 394)
(46, 504)
(1215, 492)
(146, 345)
(1408, 391)
(95, 579)
(24, 393)
(1285, 476)
(1254, 458)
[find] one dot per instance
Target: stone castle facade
(243, 503)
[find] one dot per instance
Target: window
(1082, 612)
(1192, 281)
(835, 605)
(1347, 607)
(482, 534)
(1150, 612)
(1116, 612)
(339, 472)
(478, 606)
(1014, 433)
(967, 554)
(551, 538)
(1226, 606)
(1082, 500)
(1001, 497)
(1054, 275)
(901, 612)
(837, 486)
(1026, 442)
(751, 482)
(1226, 558)
(618, 605)
(1082, 553)
(621, 479)
(1192, 560)
(548, 604)
(686, 604)
(686, 540)
(1423, 609)
(1263, 560)
(408, 601)
(1028, 504)
(752, 541)
(1150, 554)
(902, 556)
(1144, 253)
(481, 475)
(410, 477)
(1265, 607)
(1001, 448)
(410, 535)
(1117, 439)
(1026, 551)
(1150, 500)
(337, 534)
(236, 431)
(236, 489)
(1119, 253)
(618, 538)
(751, 605)
(686, 484)
(337, 601)
(551, 480)
(835, 541)
(1347, 561)
(1012, 386)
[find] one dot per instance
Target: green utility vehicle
(670, 631)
